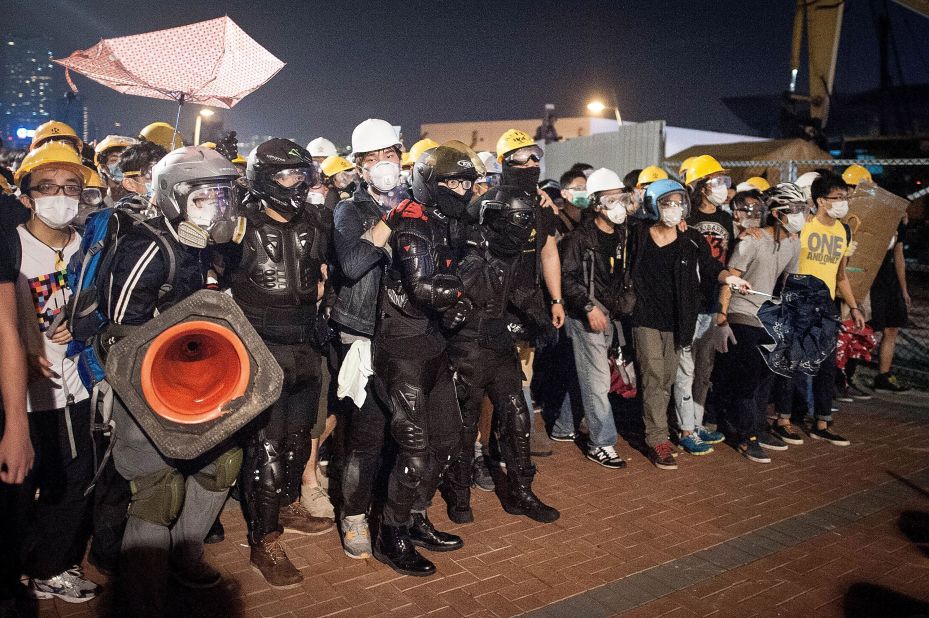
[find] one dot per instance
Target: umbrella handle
(854, 226)
(177, 121)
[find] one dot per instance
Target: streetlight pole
(204, 113)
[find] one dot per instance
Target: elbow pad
(444, 291)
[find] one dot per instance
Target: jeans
(823, 390)
(658, 359)
(740, 373)
(693, 376)
(591, 357)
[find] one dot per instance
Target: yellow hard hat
(651, 174)
(701, 167)
(161, 133)
(759, 183)
(417, 150)
(5, 188)
(109, 143)
(53, 130)
(511, 140)
(685, 165)
(334, 164)
(855, 173)
(94, 180)
(51, 153)
(210, 145)
(239, 160)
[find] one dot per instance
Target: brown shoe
(295, 518)
(269, 558)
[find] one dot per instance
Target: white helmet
(603, 180)
(805, 181)
(490, 162)
(374, 134)
(321, 147)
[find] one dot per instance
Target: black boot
(423, 534)
(521, 500)
(393, 548)
(456, 490)
(216, 534)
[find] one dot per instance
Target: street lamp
(204, 113)
(597, 107)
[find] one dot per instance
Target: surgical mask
(315, 198)
(580, 198)
(114, 172)
(718, 195)
(56, 211)
(384, 176)
(672, 215)
(749, 223)
(838, 209)
(795, 222)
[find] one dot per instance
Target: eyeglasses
(454, 183)
(522, 155)
(147, 175)
(50, 188)
(833, 198)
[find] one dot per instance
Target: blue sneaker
(710, 437)
(694, 445)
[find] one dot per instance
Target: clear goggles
(791, 208)
(673, 201)
(623, 200)
(208, 204)
(521, 156)
(345, 178)
(719, 181)
(491, 180)
(750, 210)
(91, 196)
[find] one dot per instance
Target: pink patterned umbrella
(211, 62)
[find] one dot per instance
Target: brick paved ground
(732, 536)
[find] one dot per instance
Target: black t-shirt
(654, 284)
(545, 226)
(12, 214)
(717, 229)
(607, 243)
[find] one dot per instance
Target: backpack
(88, 272)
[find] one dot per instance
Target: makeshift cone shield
(211, 63)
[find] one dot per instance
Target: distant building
(26, 88)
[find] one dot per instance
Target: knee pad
(413, 468)
(225, 471)
(407, 425)
(157, 497)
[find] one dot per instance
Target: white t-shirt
(42, 291)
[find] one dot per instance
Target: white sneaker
(356, 538)
(69, 586)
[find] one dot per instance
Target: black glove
(458, 314)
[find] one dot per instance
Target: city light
(596, 107)
(23, 133)
(206, 112)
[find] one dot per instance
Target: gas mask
(315, 198)
(210, 217)
(56, 211)
(384, 176)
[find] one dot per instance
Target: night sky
(413, 62)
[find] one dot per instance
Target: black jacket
(360, 264)
(696, 264)
(588, 274)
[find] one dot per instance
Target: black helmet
(450, 160)
(281, 156)
(506, 215)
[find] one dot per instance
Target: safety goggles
(792, 208)
(344, 178)
(291, 177)
(210, 203)
(719, 181)
(491, 180)
(622, 200)
(91, 196)
(750, 210)
(673, 202)
(521, 218)
(523, 155)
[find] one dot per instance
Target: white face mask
(315, 198)
(56, 211)
(719, 195)
(616, 215)
(795, 222)
(838, 209)
(672, 215)
(384, 176)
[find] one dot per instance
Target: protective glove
(457, 314)
(722, 336)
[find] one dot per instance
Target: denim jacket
(360, 263)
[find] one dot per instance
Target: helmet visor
(209, 203)
(291, 177)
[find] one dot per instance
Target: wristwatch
(557, 301)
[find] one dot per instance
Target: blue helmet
(658, 189)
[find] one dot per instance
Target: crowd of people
(412, 297)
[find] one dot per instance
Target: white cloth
(42, 292)
(355, 371)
